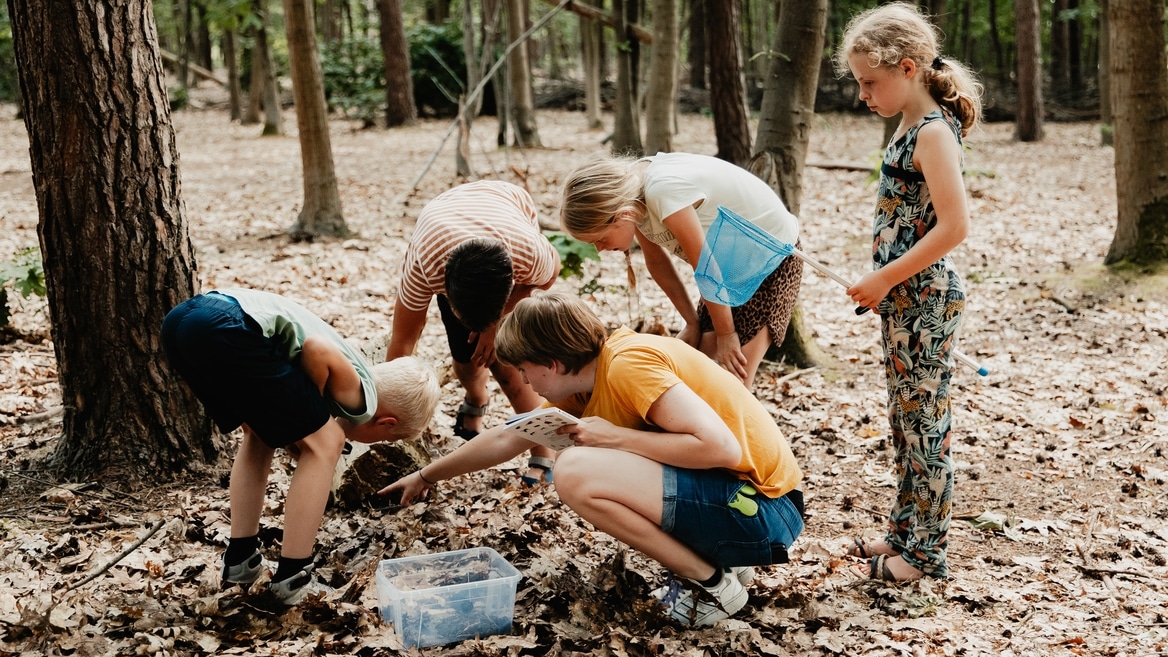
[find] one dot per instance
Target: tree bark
(234, 92)
(661, 96)
(273, 121)
(727, 88)
(1139, 106)
(697, 44)
(519, 73)
(1106, 131)
(784, 132)
(395, 50)
(590, 53)
(117, 256)
(321, 213)
(626, 128)
(1028, 123)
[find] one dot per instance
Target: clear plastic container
(442, 598)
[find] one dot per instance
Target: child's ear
(908, 67)
(386, 421)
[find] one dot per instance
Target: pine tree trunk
(117, 256)
(321, 213)
(1028, 123)
(727, 88)
(697, 44)
(1139, 106)
(784, 132)
(1106, 131)
(590, 53)
(519, 72)
(662, 93)
(273, 122)
(626, 126)
(234, 93)
(399, 85)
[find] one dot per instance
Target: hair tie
(938, 63)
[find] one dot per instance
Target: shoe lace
(673, 589)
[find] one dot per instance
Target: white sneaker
(293, 590)
(745, 574)
(246, 572)
(699, 606)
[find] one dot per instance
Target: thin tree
(661, 96)
(697, 44)
(321, 213)
(1139, 108)
(117, 256)
(1106, 131)
(519, 79)
(727, 88)
(590, 54)
(784, 132)
(626, 123)
(395, 50)
(1028, 123)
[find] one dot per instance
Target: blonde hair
(408, 388)
(595, 192)
(549, 328)
(890, 33)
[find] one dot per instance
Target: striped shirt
(486, 208)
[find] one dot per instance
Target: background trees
(262, 46)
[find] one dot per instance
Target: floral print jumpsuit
(920, 318)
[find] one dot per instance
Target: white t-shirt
(674, 181)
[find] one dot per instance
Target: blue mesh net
(737, 256)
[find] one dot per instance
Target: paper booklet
(539, 426)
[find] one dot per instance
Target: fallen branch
(43, 415)
(794, 375)
(199, 71)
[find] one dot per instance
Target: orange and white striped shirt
(486, 208)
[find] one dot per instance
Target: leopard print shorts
(771, 306)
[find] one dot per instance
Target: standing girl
(921, 215)
(667, 203)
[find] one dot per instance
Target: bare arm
(489, 448)
(691, 434)
(407, 328)
(938, 158)
(660, 266)
(333, 374)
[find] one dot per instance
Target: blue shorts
(697, 512)
(239, 374)
(462, 348)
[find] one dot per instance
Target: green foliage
(25, 274)
(354, 78)
(573, 253)
(438, 67)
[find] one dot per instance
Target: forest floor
(1059, 543)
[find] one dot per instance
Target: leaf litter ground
(1059, 541)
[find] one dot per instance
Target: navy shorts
(462, 348)
(239, 374)
(726, 521)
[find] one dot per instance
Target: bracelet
(423, 477)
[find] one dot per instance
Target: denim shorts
(462, 348)
(724, 520)
(239, 374)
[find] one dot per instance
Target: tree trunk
(117, 256)
(519, 73)
(1060, 72)
(590, 53)
(321, 214)
(996, 44)
(466, 113)
(626, 128)
(1028, 123)
(437, 11)
(662, 93)
(697, 44)
(727, 88)
(1139, 106)
(273, 122)
(255, 87)
(234, 93)
(330, 21)
(203, 40)
(784, 132)
(1105, 122)
(399, 85)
